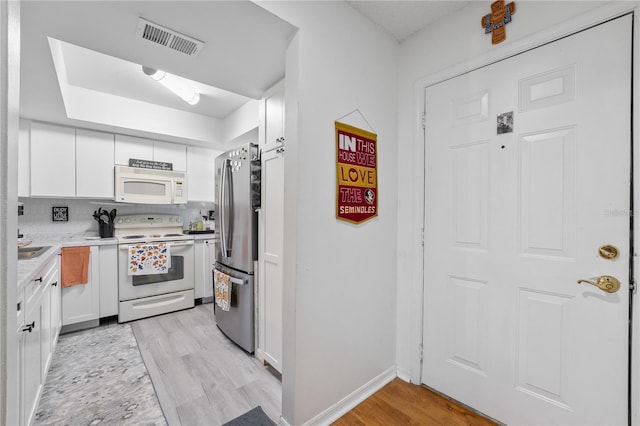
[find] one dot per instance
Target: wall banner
(357, 174)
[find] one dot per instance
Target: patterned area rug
(97, 377)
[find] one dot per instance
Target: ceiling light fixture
(175, 84)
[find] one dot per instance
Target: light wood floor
(401, 403)
(200, 376)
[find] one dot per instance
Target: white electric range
(142, 296)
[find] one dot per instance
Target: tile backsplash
(37, 218)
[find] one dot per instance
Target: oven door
(180, 275)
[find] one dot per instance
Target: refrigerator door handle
(234, 280)
(224, 209)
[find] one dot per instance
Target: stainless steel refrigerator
(236, 225)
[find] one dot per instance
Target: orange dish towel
(75, 265)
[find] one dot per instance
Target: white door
(270, 257)
(514, 220)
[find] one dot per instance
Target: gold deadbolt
(605, 283)
(608, 252)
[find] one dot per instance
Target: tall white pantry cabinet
(271, 230)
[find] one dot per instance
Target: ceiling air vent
(168, 38)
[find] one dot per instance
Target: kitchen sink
(26, 253)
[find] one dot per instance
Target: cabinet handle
(19, 306)
(29, 327)
(38, 279)
(54, 284)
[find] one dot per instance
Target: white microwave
(149, 186)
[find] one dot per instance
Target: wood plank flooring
(401, 403)
(200, 376)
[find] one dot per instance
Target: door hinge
(424, 120)
(633, 287)
(422, 237)
(421, 349)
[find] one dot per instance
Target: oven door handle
(177, 244)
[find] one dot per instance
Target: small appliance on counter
(105, 221)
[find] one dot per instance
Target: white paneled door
(527, 178)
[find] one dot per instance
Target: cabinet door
(32, 362)
(274, 114)
(210, 259)
(53, 161)
(19, 409)
(108, 280)
(205, 257)
(94, 164)
(201, 174)
(46, 331)
(24, 158)
(270, 259)
(56, 308)
(199, 275)
(171, 153)
(82, 302)
(127, 147)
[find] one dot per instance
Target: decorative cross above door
(496, 21)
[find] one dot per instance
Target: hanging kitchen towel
(222, 290)
(149, 259)
(75, 266)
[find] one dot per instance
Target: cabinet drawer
(39, 283)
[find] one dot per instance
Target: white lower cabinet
(81, 302)
(108, 280)
(205, 257)
(38, 315)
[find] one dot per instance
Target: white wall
(37, 224)
(9, 108)
(339, 280)
(240, 121)
(454, 44)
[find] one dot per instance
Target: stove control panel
(148, 221)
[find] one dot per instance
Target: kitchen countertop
(28, 268)
(210, 236)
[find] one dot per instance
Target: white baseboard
(345, 405)
(404, 375)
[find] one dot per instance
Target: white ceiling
(243, 54)
(403, 18)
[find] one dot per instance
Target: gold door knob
(605, 283)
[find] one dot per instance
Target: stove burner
(131, 237)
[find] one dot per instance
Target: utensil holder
(105, 230)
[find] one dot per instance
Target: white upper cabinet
(24, 158)
(201, 173)
(53, 160)
(171, 153)
(132, 147)
(128, 147)
(94, 164)
(274, 113)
